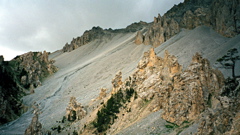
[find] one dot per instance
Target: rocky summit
(177, 75)
(221, 15)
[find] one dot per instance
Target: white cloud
(48, 24)
(9, 53)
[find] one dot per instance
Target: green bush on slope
(107, 114)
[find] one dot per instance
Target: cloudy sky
(37, 25)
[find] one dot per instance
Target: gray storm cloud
(47, 25)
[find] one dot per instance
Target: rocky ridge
(98, 33)
(19, 77)
(88, 36)
(221, 15)
(186, 97)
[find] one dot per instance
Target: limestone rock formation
(221, 15)
(162, 29)
(75, 111)
(34, 66)
(19, 77)
(224, 118)
(182, 95)
(97, 33)
(88, 36)
(103, 93)
(139, 38)
(35, 128)
(136, 26)
(161, 83)
(191, 91)
(116, 82)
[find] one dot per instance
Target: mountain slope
(82, 72)
(184, 45)
(221, 15)
(175, 91)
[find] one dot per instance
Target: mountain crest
(221, 15)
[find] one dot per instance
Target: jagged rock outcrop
(75, 111)
(136, 26)
(182, 95)
(139, 38)
(35, 128)
(19, 77)
(103, 93)
(224, 118)
(162, 29)
(97, 33)
(117, 82)
(221, 15)
(88, 36)
(34, 66)
(160, 83)
(191, 91)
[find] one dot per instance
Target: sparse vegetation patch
(107, 114)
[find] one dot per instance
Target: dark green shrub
(59, 129)
(63, 119)
(107, 115)
(169, 126)
(127, 83)
(72, 117)
(129, 93)
(75, 132)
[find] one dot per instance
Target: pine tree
(228, 61)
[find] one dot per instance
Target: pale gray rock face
(223, 16)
